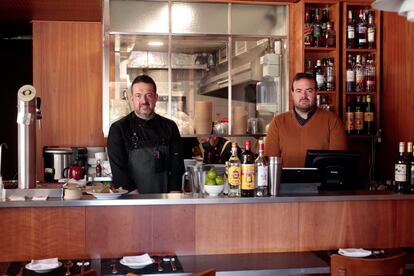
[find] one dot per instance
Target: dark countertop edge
(185, 199)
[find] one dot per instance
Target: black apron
(148, 164)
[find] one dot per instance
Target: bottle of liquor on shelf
(349, 116)
(350, 75)
(262, 172)
(411, 172)
(359, 116)
(317, 29)
(323, 34)
(401, 169)
(370, 74)
(247, 171)
(98, 169)
(408, 158)
(330, 35)
(330, 74)
(325, 15)
(319, 76)
(308, 39)
(350, 31)
(362, 31)
(234, 172)
(369, 117)
(308, 67)
(359, 75)
(371, 29)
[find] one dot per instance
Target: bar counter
(184, 225)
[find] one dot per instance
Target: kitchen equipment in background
(194, 178)
(275, 171)
(26, 140)
(76, 172)
(178, 103)
(203, 117)
(57, 159)
(239, 120)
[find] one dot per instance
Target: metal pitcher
(194, 178)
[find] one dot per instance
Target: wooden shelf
(326, 92)
(323, 49)
(361, 50)
(360, 136)
(359, 93)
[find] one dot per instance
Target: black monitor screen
(338, 168)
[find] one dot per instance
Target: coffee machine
(57, 160)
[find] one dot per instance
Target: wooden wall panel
(404, 225)
(117, 231)
(34, 233)
(397, 89)
(246, 228)
(67, 73)
(331, 225)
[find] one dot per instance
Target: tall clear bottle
(350, 75)
(247, 171)
(359, 75)
(370, 74)
(262, 172)
(362, 31)
(319, 76)
(401, 169)
(234, 172)
(350, 31)
(330, 74)
(371, 31)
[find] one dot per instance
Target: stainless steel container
(55, 161)
(275, 171)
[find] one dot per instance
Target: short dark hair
(144, 79)
(303, 75)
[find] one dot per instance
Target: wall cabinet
(206, 58)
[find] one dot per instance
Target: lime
(219, 180)
(211, 181)
(212, 174)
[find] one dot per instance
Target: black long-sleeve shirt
(120, 142)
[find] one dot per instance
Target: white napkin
(16, 198)
(354, 252)
(138, 260)
(44, 264)
(39, 198)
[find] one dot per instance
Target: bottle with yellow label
(234, 173)
(247, 172)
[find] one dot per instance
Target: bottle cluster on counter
(319, 31)
(404, 169)
(360, 115)
(247, 177)
(360, 74)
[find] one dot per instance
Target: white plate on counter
(30, 266)
(107, 195)
(135, 265)
(354, 252)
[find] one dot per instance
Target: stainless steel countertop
(185, 199)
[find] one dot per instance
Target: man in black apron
(144, 148)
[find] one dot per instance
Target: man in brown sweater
(305, 127)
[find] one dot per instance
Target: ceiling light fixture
(155, 43)
(403, 7)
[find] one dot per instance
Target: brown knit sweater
(287, 138)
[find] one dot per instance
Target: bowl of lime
(214, 183)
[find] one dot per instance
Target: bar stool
(345, 266)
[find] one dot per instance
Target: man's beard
(306, 109)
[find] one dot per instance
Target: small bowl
(213, 190)
(72, 193)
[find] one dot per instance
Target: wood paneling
(67, 74)
(246, 228)
(27, 10)
(33, 233)
(113, 231)
(405, 222)
(397, 89)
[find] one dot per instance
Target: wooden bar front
(115, 231)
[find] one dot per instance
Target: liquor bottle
(319, 76)
(370, 74)
(369, 117)
(98, 170)
(401, 169)
(317, 29)
(262, 172)
(234, 172)
(308, 39)
(325, 15)
(350, 75)
(409, 159)
(308, 66)
(371, 29)
(330, 35)
(247, 171)
(350, 31)
(359, 75)
(362, 31)
(349, 116)
(323, 34)
(411, 179)
(359, 116)
(330, 75)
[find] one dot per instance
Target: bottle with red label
(247, 171)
